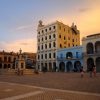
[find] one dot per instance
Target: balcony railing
(92, 54)
(69, 58)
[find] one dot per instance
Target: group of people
(92, 71)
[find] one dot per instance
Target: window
(54, 44)
(54, 35)
(45, 30)
(49, 55)
(59, 36)
(0, 59)
(60, 46)
(68, 44)
(39, 32)
(64, 38)
(38, 57)
(42, 39)
(72, 40)
(45, 46)
(54, 55)
(41, 56)
(22, 65)
(54, 27)
(49, 45)
(42, 31)
(42, 47)
(5, 58)
(49, 36)
(50, 28)
(45, 56)
(46, 38)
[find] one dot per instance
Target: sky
(19, 20)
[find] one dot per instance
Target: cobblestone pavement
(13, 91)
(64, 87)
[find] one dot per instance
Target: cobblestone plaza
(50, 86)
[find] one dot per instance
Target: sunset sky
(19, 19)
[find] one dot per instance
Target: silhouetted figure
(94, 71)
(82, 72)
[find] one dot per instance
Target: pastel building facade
(91, 51)
(70, 59)
(51, 38)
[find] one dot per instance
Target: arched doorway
(9, 66)
(0, 65)
(77, 66)
(62, 67)
(54, 66)
(90, 63)
(69, 55)
(69, 66)
(98, 64)
(5, 66)
(89, 48)
(50, 67)
(97, 47)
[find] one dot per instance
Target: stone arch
(90, 63)
(50, 66)
(69, 55)
(62, 66)
(69, 66)
(54, 66)
(9, 66)
(97, 47)
(0, 65)
(98, 64)
(5, 66)
(89, 48)
(77, 66)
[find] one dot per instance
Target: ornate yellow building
(52, 37)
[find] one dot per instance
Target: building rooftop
(93, 35)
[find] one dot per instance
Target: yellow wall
(66, 31)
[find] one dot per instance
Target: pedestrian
(94, 71)
(91, 70)
(82, 72)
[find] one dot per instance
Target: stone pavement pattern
(64, 81)
(11, 91)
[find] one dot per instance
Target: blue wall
(75, 55)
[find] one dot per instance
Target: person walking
(82, 72)
(94, 71)
(91, 70)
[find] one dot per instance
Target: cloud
(27, 45)
(81, 10)
(23, 27)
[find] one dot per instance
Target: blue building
(69, 59)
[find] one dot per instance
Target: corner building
(51, 38)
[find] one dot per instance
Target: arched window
(97, 46)
(69, 55)
(89, 48)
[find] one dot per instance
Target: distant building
(69, 59)
(7, 60)
(51, 38)
(91, 51)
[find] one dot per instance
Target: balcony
(93, 54)
(69, 58)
